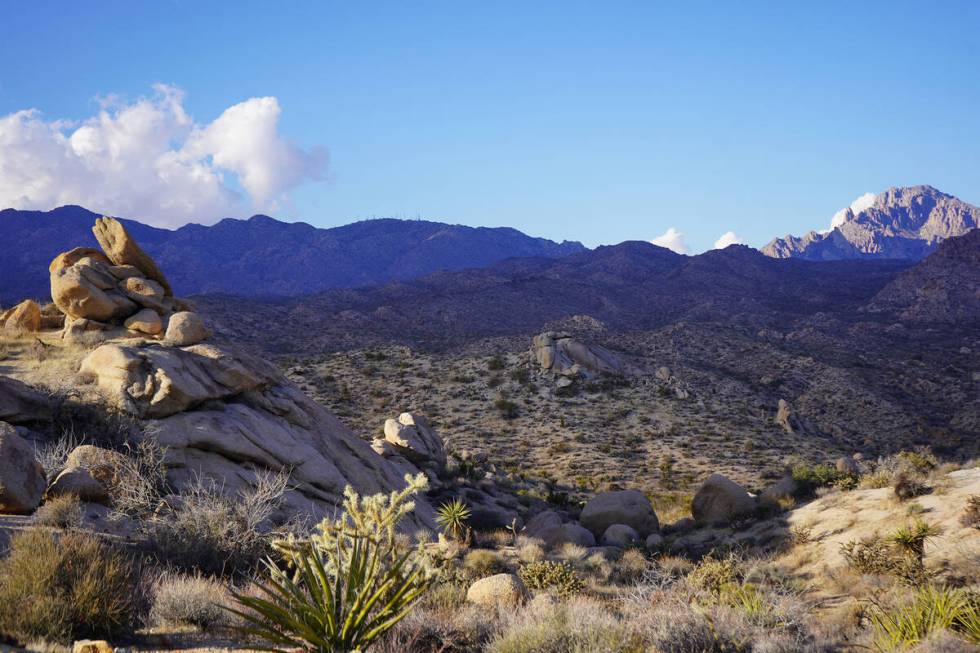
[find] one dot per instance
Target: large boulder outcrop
(562, 355)
(121, 249)
(629, 507)
(415, 439)
(227, 415)
(22, 481)
(721, 500)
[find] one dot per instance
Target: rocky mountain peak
(903, 222)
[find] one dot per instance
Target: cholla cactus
(347, 584)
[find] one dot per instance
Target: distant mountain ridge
(902, 223)
(262, 256)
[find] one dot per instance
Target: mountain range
(902, 223)
(262, 256)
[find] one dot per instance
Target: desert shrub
(63, 511)
(350, 582)
(54, 454)
(579, 625)
(480, 563)
(141, 479)
(559, 577)
(931, 609)
(911, 540)
(875, 480)
(530, 551)
(908, 485)
(507, 408)
(495, 363)
(712, 574)
(809, 479)
(920, 461)
(971, 515)
(189, 600)
(62, 589)
(631, 566)
(869, 555)
(214, 533)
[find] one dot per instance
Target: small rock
(80, 483)
(92, 646)
(501, 590)
(146, 321)
(186, 328)
(663, 373)
(654, 542)
(144, 292)
(620, 535)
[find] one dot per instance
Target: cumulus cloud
(673, 240)
(728, 238)
(148, 159)
(860, 204)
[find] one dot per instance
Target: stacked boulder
(119, 285)
(413, 446)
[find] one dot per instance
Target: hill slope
(902, 223)
(265, 257)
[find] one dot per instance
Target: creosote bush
(65, 588)
(559, 577)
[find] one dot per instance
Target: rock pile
(119, 285)
(562, 355)
(412, 445)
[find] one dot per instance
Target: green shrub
(931, 610)
(908, 485)
(63, 589)
(508, 409)
(808, 478)
(920, 461)
(550, 575)
(349, 584)
(712, 574)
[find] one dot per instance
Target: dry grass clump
(580, 624)
(63, 589)
(480, 563)
(190, 600)
(971, 515)
(63, 511)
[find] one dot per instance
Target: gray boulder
(620, 535)
(721, 500)
(629, 507)
(22, 481)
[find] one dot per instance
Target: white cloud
(673, 240)
(860, 204)
(149, 160)
(728, 238)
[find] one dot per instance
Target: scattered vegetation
(63, 511)
(190, 600)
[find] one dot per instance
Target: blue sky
(597, 122)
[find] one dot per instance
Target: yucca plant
(345, 586)
(912, 538)
(932, 609)
(452, 516)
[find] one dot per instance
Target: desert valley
(416, 436)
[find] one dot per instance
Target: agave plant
(344, 587)
(452, 517)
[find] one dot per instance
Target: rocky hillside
(901, 223)
(943, 288)
(237, 256)
(633, 285)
